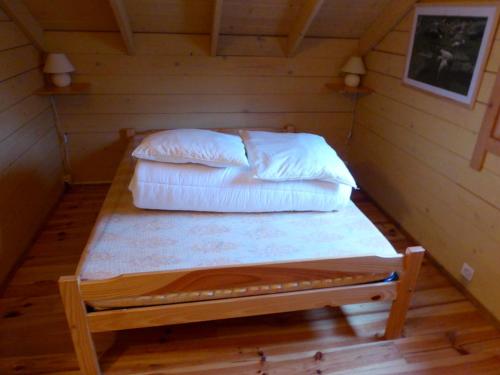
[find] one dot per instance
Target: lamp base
(352, 80)
(61, 79)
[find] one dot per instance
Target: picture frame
(448, 49)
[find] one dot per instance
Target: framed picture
(448, 49)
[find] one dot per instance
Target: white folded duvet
(194, 187)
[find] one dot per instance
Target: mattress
(195, 187)
(127, 239)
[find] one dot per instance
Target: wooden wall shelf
(343, 89)
(73, 89)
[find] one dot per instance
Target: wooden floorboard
(445, 333)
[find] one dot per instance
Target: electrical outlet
(467, 272)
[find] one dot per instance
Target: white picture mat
(459, 11)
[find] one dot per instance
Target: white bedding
(294, 156)
(194, 187)
(128, 240)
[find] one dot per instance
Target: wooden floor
(445, 333)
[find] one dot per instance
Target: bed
(144, 268)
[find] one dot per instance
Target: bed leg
(408, 279)
(77, 321)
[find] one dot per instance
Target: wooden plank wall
(30, 163)
(172, 82)
(411, 152)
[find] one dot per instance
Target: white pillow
(294, 156)
(198, 146)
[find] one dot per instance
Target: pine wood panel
(20, 141)
(431, 128)
(95, 156)
(231, 45)
(322, 123)
(11, 36)
(90, 15)
(20, 113)
(182, 65)
(433, 221)
(339, 18)
(216, 19)
(170, 16)
(259, 17)
(395, 42)
(83, 104)
(444, 332)
(386, 63)
(392, 14)
(29, 163)
(214, 85)
(18, 60)
(240, 17)
(18, 87)
(301, 24)
(411, 151)
(406, 23)
(29, 154)
(20, 15)
(29, 187)
(276, 46)
(447, 110)
(468, 208)
(197, 45)
(123, 22)
(111, 43)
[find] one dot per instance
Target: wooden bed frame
(83, 321)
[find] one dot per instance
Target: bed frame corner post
(69, 287)
(408, 279)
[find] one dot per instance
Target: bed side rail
(140, 317)
(157, 283)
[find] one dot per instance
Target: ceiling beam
(19, 13)
(299, 28)
(123, 22)
(392, 14)
(215, 27)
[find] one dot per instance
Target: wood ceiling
(336, 18)
(291, 20)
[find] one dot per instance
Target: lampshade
(354, 65)
(57, 63)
